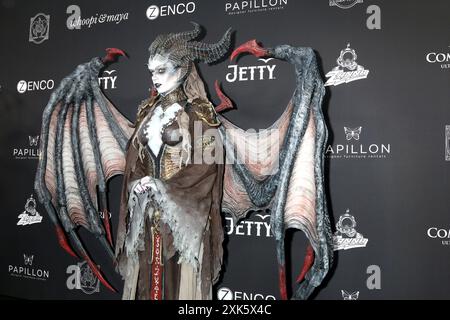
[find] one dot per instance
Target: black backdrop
(388, 168)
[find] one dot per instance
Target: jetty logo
(264, 71)
(347, 70)
(346, 237)
(39, 28)
(108, 79)
(256, 226)
(30, 214)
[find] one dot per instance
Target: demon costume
(169, 239)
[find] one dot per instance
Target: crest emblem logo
(89, 283)
(346, 237)
(30, 214)
(39, 28)
(347, 69)
(81, 277)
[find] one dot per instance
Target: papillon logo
(350, 296)
(352, 133)
(28, 260)
(34, 140)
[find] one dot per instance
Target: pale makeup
(165, 76)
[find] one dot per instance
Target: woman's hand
(145, 184)
(185, 153)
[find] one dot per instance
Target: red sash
(157, 266)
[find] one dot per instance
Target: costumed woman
(169, 240)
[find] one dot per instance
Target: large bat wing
(83, 141)
(282, 169)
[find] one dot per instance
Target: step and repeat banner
(386, 67)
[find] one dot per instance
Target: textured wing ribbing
(83, 141)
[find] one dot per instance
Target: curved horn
(210, 52)
(186, 35)
(165, 41)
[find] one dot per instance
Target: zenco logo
(108, 81)
(31, 152)
(253, 6)
(155, 11)
(347, 69)
(227, 294)
(75, 21)
(439, 233)
(250, 73)
(259, 228)
(354, 149)
(447, 143)
(344, 4)
(39, 28)
(350, 296)
(27, 270)
(346, 237)
(82, 278)
(441, 58)
(35, 85)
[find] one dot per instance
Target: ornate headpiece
(181, 49)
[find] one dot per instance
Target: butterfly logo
(28, 259)
(263, 217)
(352, 133)
(109, 72)
(33, 140)
(265, 60)
(350, 296)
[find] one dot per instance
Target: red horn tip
(309, 260)
(98, 274)
(62, 240)
(112, 55)
(250, 46)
